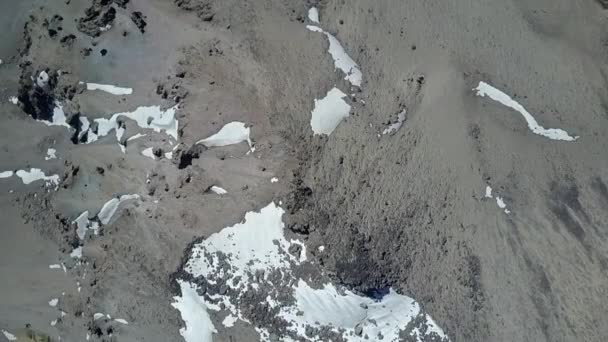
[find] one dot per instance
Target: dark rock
(138, 19)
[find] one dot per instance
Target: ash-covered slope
(462, 166)
(409, 209)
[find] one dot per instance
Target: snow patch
(218, 190)
(328, 112)
(313, 15)
(53, 302)
(13, 100)
(484, 89)
(108, 88)
(229, 321)
(274, 180)
(499, 201)
(9, 336)
(232, 133)
(6, 174)
(148, 117)
(77, 253)
(193, 310)
(34, 174)
(488, 192)
(50, 154)
(149, 152)
(341, 59)
(109, 208)
(136, 136)
(58, 119)
(394, 127)
(121, 321)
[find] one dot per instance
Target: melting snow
(9, 336)
(484, 89)
(342, 60)
(109, 208)
(114, 90)
(328, 112)
(193, 310)
(149, 152)
(313, 15)
(50, 154)
(395, 126)
(232, 133)
(218, 190)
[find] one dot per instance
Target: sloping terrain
(294, 170)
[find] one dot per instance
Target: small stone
(358, 330)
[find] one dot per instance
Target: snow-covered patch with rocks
(253, 260)
(394, 127)
(484, 89)
(329, 112)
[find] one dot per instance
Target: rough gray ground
(405, 210)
